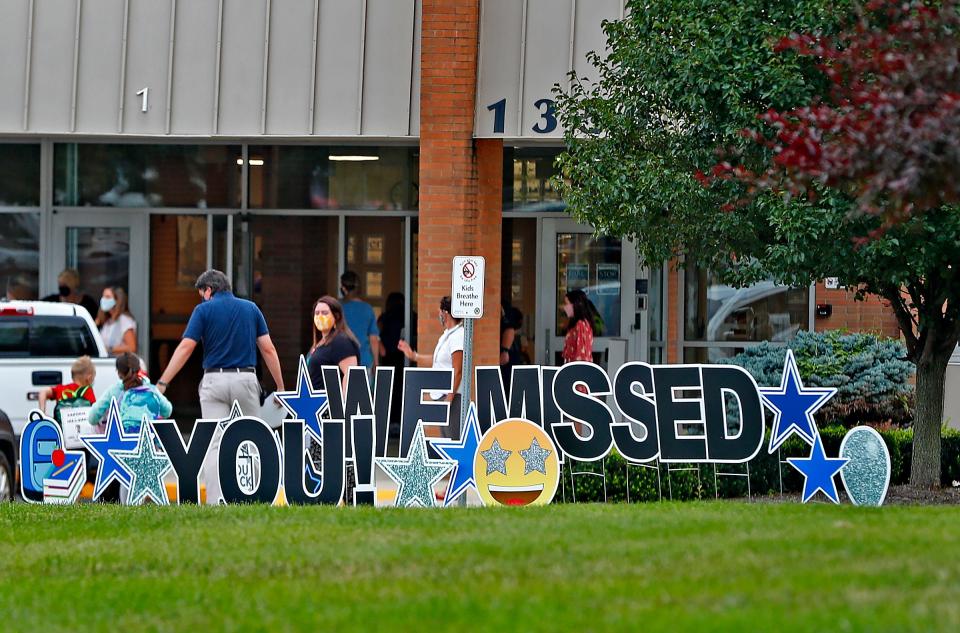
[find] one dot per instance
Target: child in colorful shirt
(135, 395)
(83, 373)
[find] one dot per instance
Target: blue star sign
(793, 405)
(463, 453)
(305, 403)
(818, 472)
(103, 447)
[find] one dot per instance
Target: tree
(685, 77)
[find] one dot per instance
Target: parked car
(38, 343)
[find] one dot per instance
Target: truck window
(61, 336)
(14, 336)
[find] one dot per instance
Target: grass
(670, 566)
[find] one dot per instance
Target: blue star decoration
(793, 405)
(234, 414)
(818, 472)
(147, 468)
(462, 453)
(416, 474)
(102, 448)
(305, 403)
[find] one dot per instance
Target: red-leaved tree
(888, 131)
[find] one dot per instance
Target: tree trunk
(931, 371)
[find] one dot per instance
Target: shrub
(872, 374)
(622, 482)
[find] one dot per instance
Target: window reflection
(527, 184)
(765, 311)
(19, 254)
(133, 175)
(20, 166)
(320, 177)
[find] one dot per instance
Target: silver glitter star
(147, 468)
(496, 458)
(416, 474)
(535, 458)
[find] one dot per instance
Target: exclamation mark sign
(365, 492)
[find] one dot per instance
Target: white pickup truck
(38, 343)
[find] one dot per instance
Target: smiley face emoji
(516, 465)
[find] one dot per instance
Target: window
(527, 177)
(323, 177)
(720, 320)
(134, 175)
(19, 254)
(46, 336)
(20, 166)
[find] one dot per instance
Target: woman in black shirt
(333, 342)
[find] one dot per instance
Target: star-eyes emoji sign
(516, 464)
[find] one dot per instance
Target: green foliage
(871, 374)
(683, 482)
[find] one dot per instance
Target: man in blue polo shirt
(232, 330)
(361, 320)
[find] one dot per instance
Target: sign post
(466, 302)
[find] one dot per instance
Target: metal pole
(466, 380)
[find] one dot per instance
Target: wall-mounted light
(354, 158)
(254, 162)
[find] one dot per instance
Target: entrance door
(606, 269)
(107, 249)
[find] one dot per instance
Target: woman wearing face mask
(578, 344)
(117, 326)
(333, 342)
(448, 354)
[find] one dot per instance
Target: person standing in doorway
(117, 326)
(578, 342)
(361, 320)
(68, 284)
(231, 330)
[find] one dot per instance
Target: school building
(285, 141)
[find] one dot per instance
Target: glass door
(107, 249)
(605, 268)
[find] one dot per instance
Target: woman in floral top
(578, 344)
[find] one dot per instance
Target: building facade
(285, 141)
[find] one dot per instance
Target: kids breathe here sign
(466, 298)
(511, 448)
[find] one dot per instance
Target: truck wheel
(6, 479)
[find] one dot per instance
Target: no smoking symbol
(469, 270)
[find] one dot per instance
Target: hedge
(622, 482)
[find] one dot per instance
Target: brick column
(460, 184)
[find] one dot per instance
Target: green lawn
(670, 566)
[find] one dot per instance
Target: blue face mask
(107, 303)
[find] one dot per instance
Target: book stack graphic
(63, 484)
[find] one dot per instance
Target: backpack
(71, 399)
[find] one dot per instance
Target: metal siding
(148, 39)
(338, 67)
(98, 73)
(194, 67)
(241, 67)
(500, 36)
(547, 59)
(386, 72)
(13, 52)
(289, 68)
(51, 72)
(589, 33)
(413, 128)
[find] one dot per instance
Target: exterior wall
(455, 218)
(872, 315)
(526, 47)
(212, 67)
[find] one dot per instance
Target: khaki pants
(217, 394)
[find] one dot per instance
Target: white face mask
(568, 310)
(107, 303)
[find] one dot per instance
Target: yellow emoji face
(516, 465)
